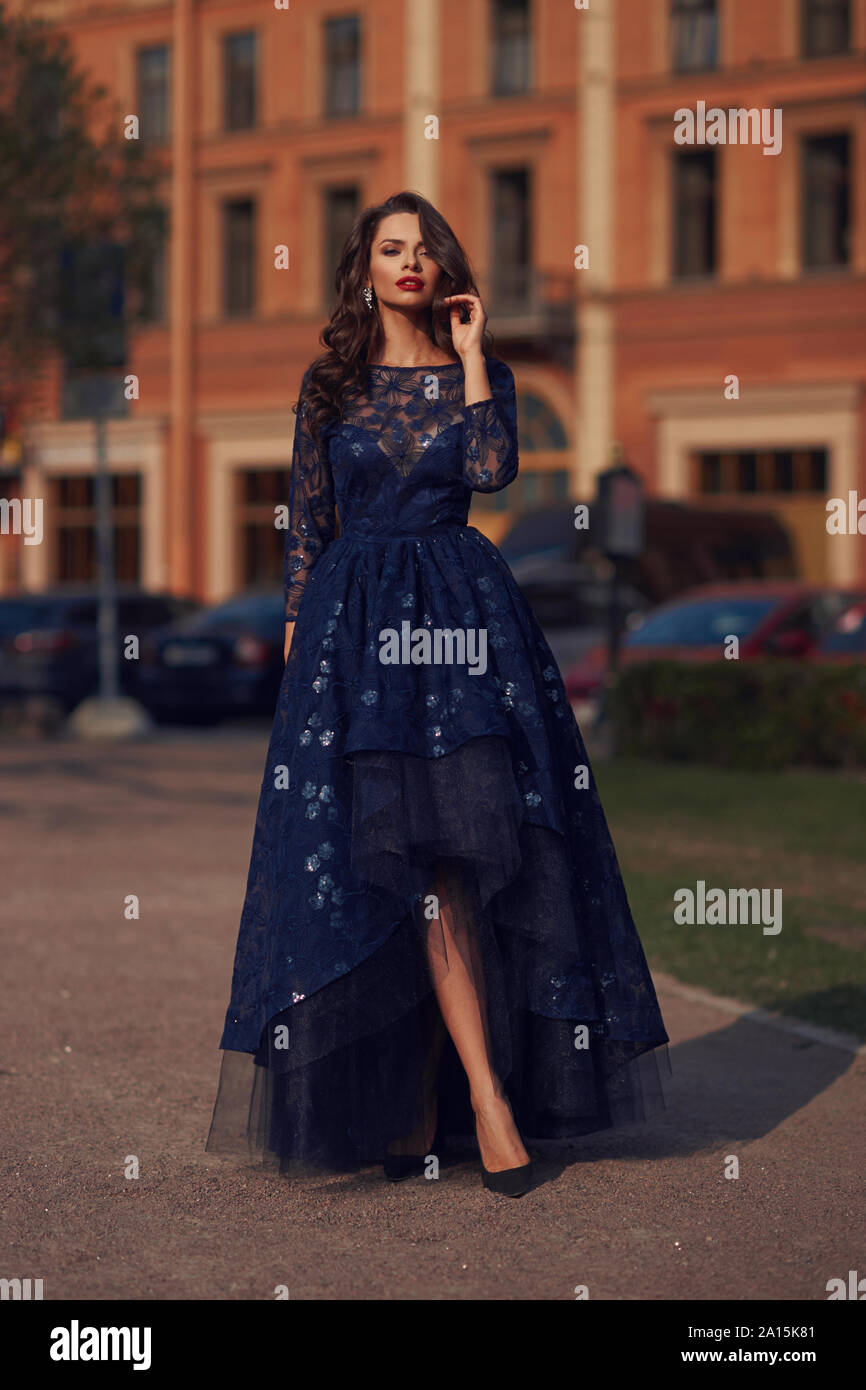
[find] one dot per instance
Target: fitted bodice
(404, 459)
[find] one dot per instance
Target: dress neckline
(422, 367)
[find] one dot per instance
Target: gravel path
(110, 1032)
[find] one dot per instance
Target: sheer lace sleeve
(312, 517)
(490, 433)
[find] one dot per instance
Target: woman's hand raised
(466, 337)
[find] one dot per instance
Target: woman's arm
(490, 457)
(490, 410)
(312, 513)
(476, 382)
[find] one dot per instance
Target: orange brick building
(730, 261)
(554, 129)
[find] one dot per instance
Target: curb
(828, 1036)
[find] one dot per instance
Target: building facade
(627, 276)
(733, 262)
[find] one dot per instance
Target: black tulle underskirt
(574, 1031)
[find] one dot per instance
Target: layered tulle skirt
(415, 816)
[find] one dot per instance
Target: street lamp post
(92, 311)
(619, 524)
(107, 630)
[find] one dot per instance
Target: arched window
(539, 427)
(539, 430)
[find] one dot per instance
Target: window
(340, 210)
(710, 472)
(541, 428)
(532, 488)
(259, 491)
(825, 201)
(694, 35)
(75, 511)
(511, 241)
(783, 471)
(239, 246)
(239, 81)
(702, 622)
(825, 27)
(152, 306)
(747, 472)
(510, 47)
(560, 484)
(811, 619)
(153, 77)
(763, 470)
(502, 501)
(342, 96)
(694, 215)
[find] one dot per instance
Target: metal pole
(613, 620)
(107, 624)
(606, 719)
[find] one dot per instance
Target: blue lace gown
(393, 791)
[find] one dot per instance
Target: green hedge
(742, 714)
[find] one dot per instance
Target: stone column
(178, 493)
(596, 154)
(421, 155)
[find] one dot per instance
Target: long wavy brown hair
(354, 336)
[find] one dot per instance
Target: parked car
(564, 576)
(49, 640)
(844, 642)
(223, 660)
(773, 618)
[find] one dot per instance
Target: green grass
(802, 832)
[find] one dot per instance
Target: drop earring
(368, 296)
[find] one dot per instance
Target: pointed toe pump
(400, 1166)
(396, 1167)
(510, 1182)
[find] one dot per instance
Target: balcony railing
(527, 303)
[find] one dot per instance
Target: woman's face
(401, 272)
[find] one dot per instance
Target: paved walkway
(110, 1032)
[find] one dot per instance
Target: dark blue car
(222, 661)
(49, 641)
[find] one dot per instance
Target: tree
(69, 180)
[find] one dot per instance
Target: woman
(435, 937)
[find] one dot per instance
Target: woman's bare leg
(462, 1001)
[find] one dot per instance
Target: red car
(844, 643)
(770, 617)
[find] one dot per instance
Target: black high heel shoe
(399, 1166)
(510, 1182)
